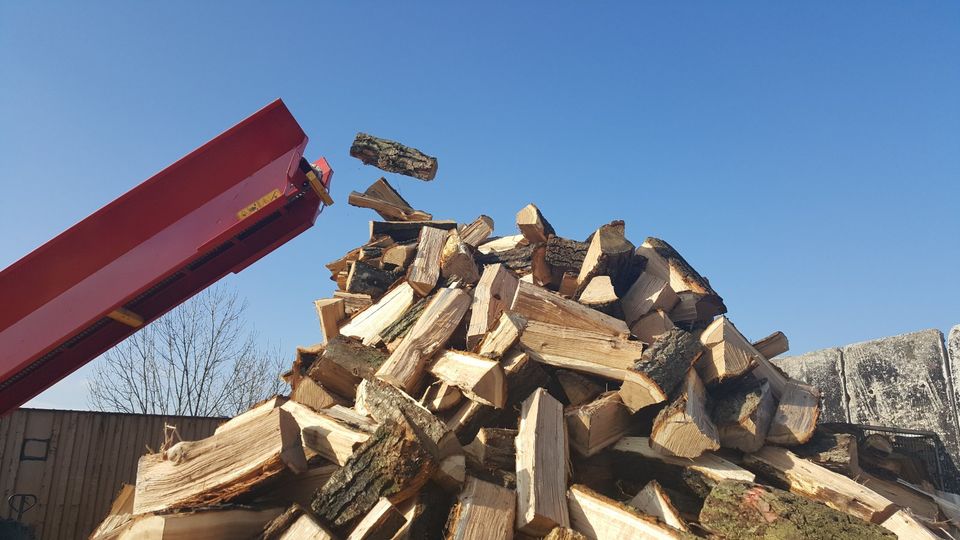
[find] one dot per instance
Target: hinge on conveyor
(313, 176)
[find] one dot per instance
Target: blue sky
(804, 156)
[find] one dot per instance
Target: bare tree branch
(200, 359)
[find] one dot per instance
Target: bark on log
(391, 156)
(384, 402)
(405, 231)
(393, 463)
(366, 279)
(518, 259)
(566, 255)
(400, 328)
(738, 510)
(669, 358)
(352, 356)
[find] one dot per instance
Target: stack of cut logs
(480, 387)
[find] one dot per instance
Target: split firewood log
(683, 428)
(363, 278)
(479, 378)
(404, 368)
(742, 411)
(654, 501)
(478, 231)
(541, 465)
(456, 260)
(533, 226)
(425, 269)
(820, 484)
(610, 254)
(579, 389)
(598, 424)
(371, 322)
(773, 345)
(386, 201)
(220, 467)
(483, 511)
(600, 295)
(492, 295)
(603, 518)
(382, 521)
(728, 354)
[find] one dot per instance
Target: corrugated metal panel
(74, 462)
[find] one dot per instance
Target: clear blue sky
(804, 156)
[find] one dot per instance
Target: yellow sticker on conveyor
(256, 205)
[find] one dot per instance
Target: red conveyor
(217, 210)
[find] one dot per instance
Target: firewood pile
(473, 386)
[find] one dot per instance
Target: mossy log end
(392, 463)
(394, 157)
(736, 510)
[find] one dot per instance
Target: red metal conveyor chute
(216, 210)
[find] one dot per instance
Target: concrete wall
(907, 381)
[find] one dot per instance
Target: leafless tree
(201, 359)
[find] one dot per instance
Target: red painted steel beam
(215, 211)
